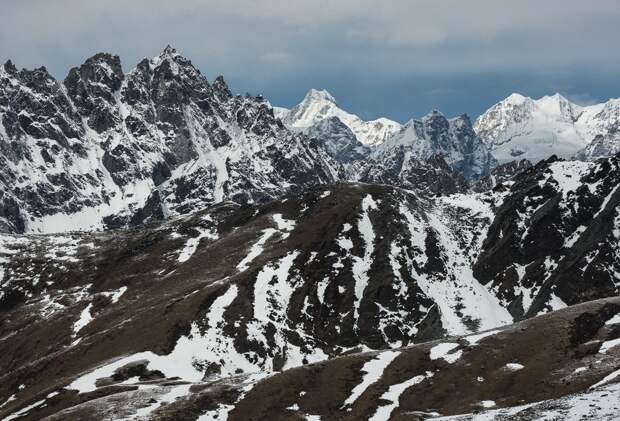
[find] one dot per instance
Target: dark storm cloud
(396, 58)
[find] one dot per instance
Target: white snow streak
(361, 265)
(256, 250)
(443, 351)
(393, 395)
(607, 345)
(191, 245)
(373, 370)
(85, 318)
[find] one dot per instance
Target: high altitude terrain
(207, 256)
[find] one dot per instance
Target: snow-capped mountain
(524, 128)
(319, 105)
(433, 154)
(104, 148)
(454, 140)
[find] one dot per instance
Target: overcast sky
(378, 58)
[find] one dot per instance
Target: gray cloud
(282, 47)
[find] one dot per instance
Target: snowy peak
(316, 106)
(433, 115)
(520, 127)
(515, 99)
(558, 106)
(93, 87)
(221, 89)
(168, 54)
(319, 105)
(8, 68)
(315, 95)
(170, 64)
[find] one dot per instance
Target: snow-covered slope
(524, 128)
(454, 140)
(104, 148)
(320, 105)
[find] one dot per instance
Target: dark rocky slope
(261, 288)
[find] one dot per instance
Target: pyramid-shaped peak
(169, 51)
(173, 63)
(319, 95)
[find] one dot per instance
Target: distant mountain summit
(520, 127)
(435, 135)
(319, 105)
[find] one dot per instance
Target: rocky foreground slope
(252, 290)
(565, 365)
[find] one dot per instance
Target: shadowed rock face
(555, 235)
(432, 176)
(500, 174)
(453, 140)
(339, 141)
(202, 301)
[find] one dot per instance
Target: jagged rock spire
(220, 88)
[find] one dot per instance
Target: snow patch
(191, 245)
(373, 370)
(514, 366)
(443, 351)
(393, 396)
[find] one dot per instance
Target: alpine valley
(172, 251)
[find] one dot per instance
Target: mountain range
(170, 250)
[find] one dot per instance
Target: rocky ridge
(107, 149)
